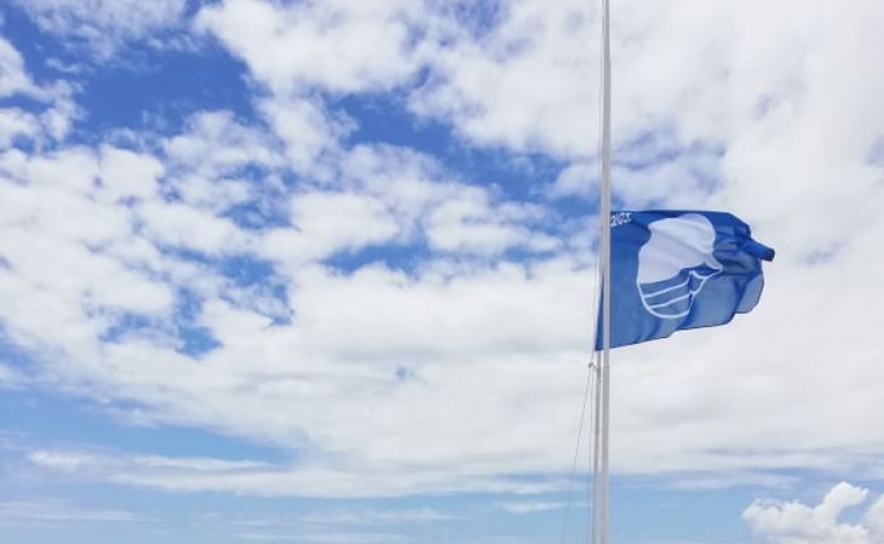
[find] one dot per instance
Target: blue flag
(674, 270)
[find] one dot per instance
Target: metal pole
(596, 431)
(604, 506)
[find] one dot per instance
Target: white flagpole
(603, 517)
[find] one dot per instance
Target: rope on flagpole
(591, 373)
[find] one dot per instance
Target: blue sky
(322, 272)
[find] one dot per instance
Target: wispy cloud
(60, 513)
(377, 517)
(263, 479)
(529, 507)
(9, 376)
(103, 26)
(326, 538)
(336, 526)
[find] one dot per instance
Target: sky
(323, 272)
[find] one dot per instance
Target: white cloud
(375, 357)
(334, 526)
(83, 230)
(187, 227)
(795, 523)
(470, 223)
(41, 250)
(308, 131)
(394, 196)
(58, 118)
(318, 216)
(319, 229)
(528, 83)
(682, 183)
(327, 538)
(58, 513)
(338, 45)
(64, 461)
(385, 314)
(126, 174)
(377, 517)
(453, 349)
(771, 95)
(16, 124)
(577, 179)
(529, 507)
(103, 25)
(9, 377)
(195, 475)
(14, 79)
(53, 109)
(215, 145)
(71, 461)
(427, 201)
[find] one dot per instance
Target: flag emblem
(674, 270)
(675, 263)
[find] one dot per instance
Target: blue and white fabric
(674, 270)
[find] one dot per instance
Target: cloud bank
(381, 311)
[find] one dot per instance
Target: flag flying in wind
(673, 270)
